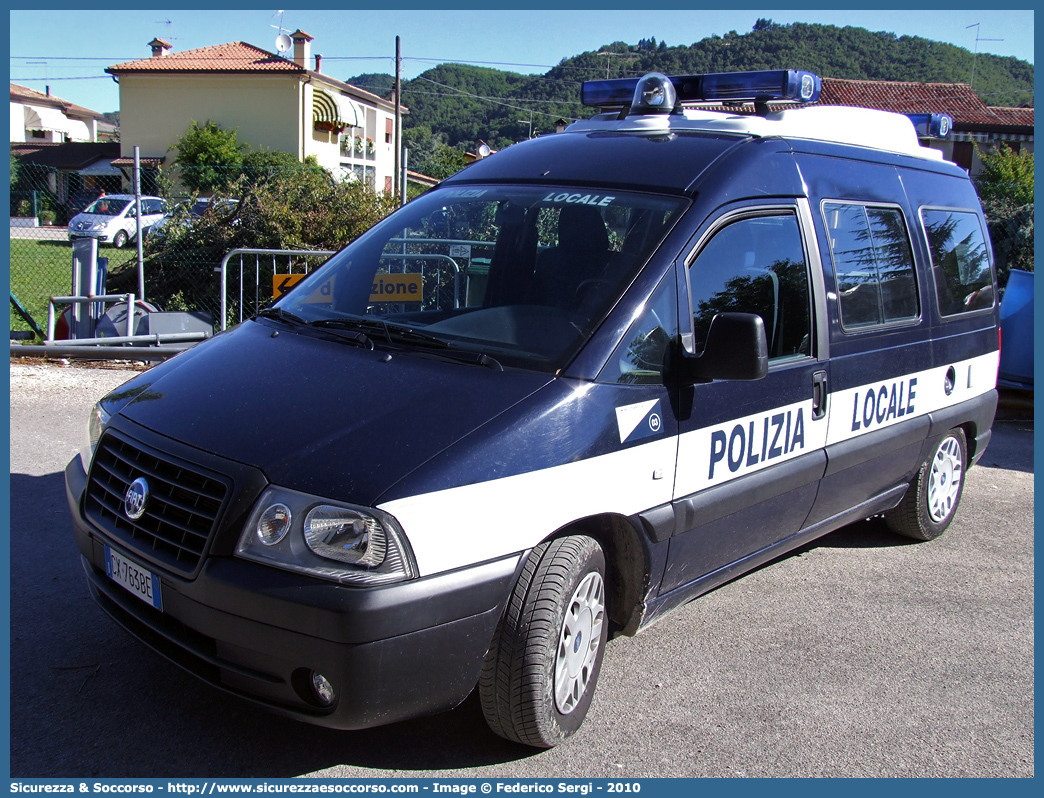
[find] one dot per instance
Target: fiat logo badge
(135, 499)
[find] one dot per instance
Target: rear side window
(960, 261)
(870, 249)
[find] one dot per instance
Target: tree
(283, 205)
(210, 157)
(1006, 190)
(15, 166)
(1006, 174)
(260, 166)
(430, 156)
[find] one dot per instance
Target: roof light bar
(936, 126)
(777, 85)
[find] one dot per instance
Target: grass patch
(42, 269)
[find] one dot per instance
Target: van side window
(641, 357)
(756, 265)
(960, 262)
(873, 262)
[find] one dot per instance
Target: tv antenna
(282, 42)
(170, 28)
(975, 53)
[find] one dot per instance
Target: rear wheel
(931, 502)
(540, 672)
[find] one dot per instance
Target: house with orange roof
(271, 100)
(40, 117)
(974, 122)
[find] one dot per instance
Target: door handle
(819, 394)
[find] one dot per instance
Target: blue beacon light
(936, 126)
(780, 85)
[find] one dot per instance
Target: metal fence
(302, 210)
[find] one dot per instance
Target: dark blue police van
(575, 386)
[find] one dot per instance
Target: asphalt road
(859, 655)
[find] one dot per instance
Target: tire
(540, 672)
(931, 502)
(119, 239)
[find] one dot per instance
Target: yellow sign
(396, 288)
(281, 283)
(385, 288)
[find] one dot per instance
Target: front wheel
(540, 672)
(931, 502)
(119, 239)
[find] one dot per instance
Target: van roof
(859, 127)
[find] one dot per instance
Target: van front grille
(180, 515)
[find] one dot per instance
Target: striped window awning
(44, 118)
(333, 109)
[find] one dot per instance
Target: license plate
(133, 577)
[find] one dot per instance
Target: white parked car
(111, 218)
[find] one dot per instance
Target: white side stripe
(460, 526)
(472, 523)
(877, 405)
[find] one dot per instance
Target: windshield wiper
(291, 318)
(393, 333)
(423, 342)
(348, 324)
(281, 315)
(468, 358)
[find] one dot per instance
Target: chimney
(159, 48)
(47, 90)
(302, 48)
(318, 62)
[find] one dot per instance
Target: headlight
(95, 424)
(98, 226)
(329, 540)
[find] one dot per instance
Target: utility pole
(398, 110)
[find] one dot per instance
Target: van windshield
(520, 274)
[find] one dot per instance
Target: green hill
(462, 104)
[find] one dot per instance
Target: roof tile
(907, 97)
(230, 57)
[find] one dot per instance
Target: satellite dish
(283, 42)
(483, 150)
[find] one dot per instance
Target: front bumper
(258, 632)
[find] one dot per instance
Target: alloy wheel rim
(578, 642)
(944, 480)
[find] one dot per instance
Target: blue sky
(68, 49)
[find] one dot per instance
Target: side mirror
(736, 349)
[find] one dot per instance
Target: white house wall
(155, 110)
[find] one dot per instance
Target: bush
(1006, 190)
(1006, 174)
(1011, 233)
(297, 206)
(209, 156)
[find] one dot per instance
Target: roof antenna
(170, 29)
(975, 53)
(283, 42)
(278, 27)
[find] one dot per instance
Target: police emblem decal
(135, 499)
(642, 420)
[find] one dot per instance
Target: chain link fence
(210, 211)
(205, 214)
